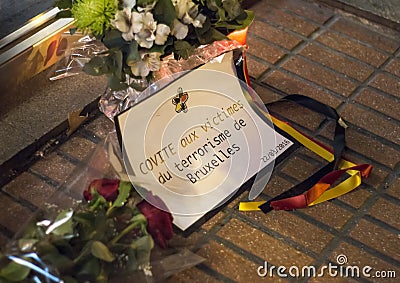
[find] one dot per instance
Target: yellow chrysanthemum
(94, 16)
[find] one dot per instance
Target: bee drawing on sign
(180, 101)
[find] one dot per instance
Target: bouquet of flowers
(100, 232)
(138, 34)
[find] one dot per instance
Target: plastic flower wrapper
(96, 228)
(76, 56)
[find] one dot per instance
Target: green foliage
(97, 17)
(164, 12)
(89, 244)
(14, 272)
(183, 48)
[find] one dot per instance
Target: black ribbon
(339, 143)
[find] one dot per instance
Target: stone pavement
(295, 46)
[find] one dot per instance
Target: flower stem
(124, 232)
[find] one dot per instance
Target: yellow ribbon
(344, 187)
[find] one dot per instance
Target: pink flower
(107, 188)
(159, 222)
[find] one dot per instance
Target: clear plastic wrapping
(105, 239)
(113, 102)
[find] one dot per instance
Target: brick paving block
(284, 19)
(307, 9)
(356, 198)
(394, 188)
(321, 76)
(234, 204)
(372, 148)
(78, 147)
(387, 212)
(274, 35)
(30, 188)
(295, 228)
(100, 126)
(371, 122)
(356, 256)
(299, 168)
(352, 48)
(276, 185)
(367, 33)
(263, 50)
(213, 221)
(336, 61)
(54, 167)
(329, 214)
(229, 263)
(394, 67)
(13, 214)
(388, 106)
(327, 278)
(255, 67)
(274, 251)
(292, 85)
(298, 114)
(387, 84)
(266, 95)
(377, 177)
(305, 151)
(179, 242)
(378, 238)
(192, 274)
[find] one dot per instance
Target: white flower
(129, 3)
(144, 26)
(188, 13)
(122, 20)
(183, 7)
(199, 21)
(149, 62)
(179, 30)
(148, 7)
(162, 33)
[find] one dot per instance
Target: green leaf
(237, 24)
(144, 3)
(248, 19)
(58, 261)
(44, 247)
(133, 53)
(14, 272)
(123, 193)
(64, 14)
(101, 251)
(26, 244)
(233, 8)
(84, 218)
(95, 67)
(89, 270)
(211, 35)
(214, 5)
(205, 28)
(164, 12)
(113, 39)
(62, 224)
(183, 48)
(115, 83)
(63, 4)
(161, 48)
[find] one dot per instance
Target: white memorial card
(195, 142)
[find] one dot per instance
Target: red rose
(159, 222)
(107, 188)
